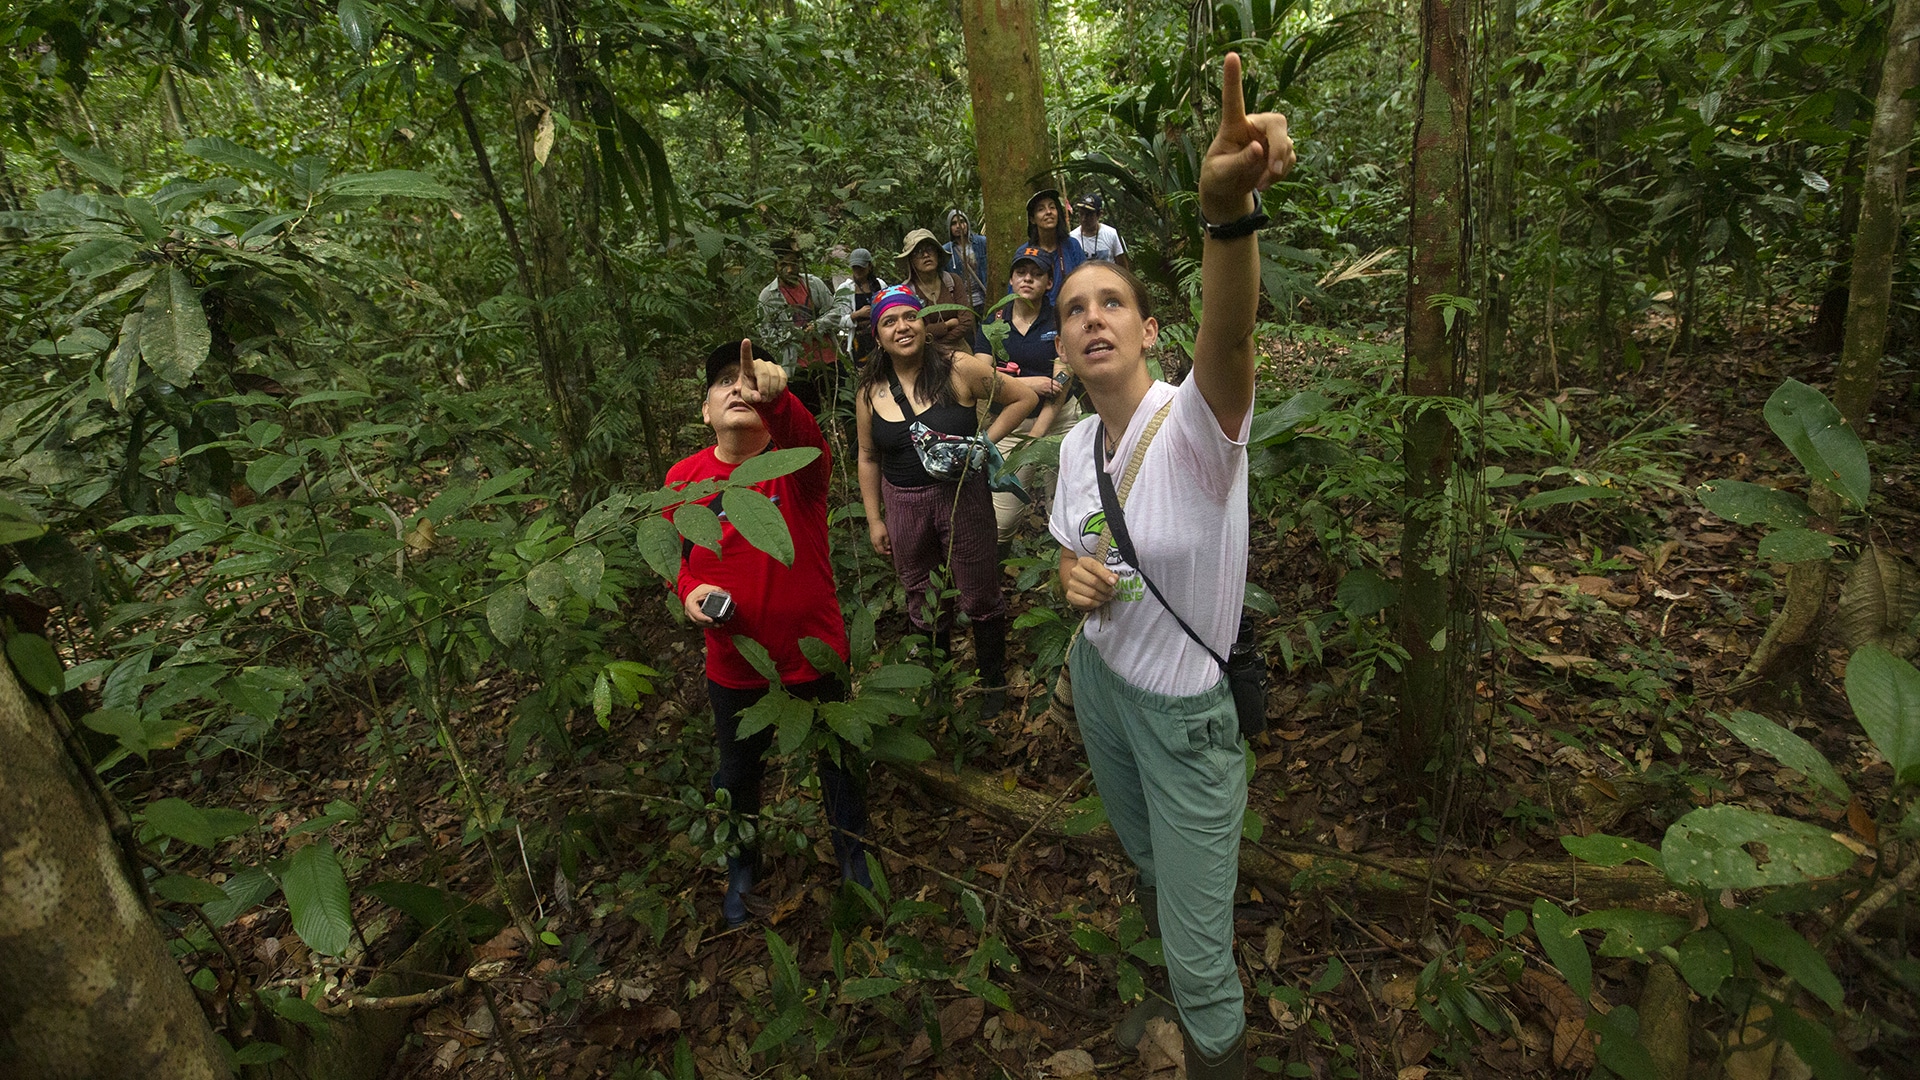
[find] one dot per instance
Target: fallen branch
(1318, 868)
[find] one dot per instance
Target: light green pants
(1173, 778)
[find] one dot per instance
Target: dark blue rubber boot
(740, 873)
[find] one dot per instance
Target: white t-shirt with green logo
(1187, 514)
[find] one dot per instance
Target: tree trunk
(176, 114)
(1009, 119)
(1882, 193)
(87, 987)
(1498, 323)
(1427, 692)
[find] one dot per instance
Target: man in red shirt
(750, 409)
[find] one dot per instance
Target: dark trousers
(743, 765)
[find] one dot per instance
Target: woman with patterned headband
(922, 478)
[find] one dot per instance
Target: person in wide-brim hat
(921, 256)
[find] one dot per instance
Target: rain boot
(990, 652)
(741, 870)
(1231, 1065)
(1132, 1026)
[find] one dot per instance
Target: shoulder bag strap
(1116, 525)
(899, 395)
(1126, 478)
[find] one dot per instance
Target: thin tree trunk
(1882, 193)
(1009, 118)
(87, 987)
(176, 115)
(1498, 323)
(1427, 692)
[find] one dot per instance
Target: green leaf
(1796, 545)
(507, 613)
(400, 183)
(316, 889)
(1785, 747)
(1335, 974)
(98, 166)
(1270, 425)
(659, 545)
(846, 721)
(271, 470)
(355, 24)
(1562, 943)
(300, 1011)
(1601, 849)
(174, 338)
(221, 151)
(1704, 960)
(1707, 848)
(1572, 494)
(763, 467)
(770, 711)
(698, 524)
(186, 889)
(756, 655)
(890, 743)
(897, 677)
(123, 364)
(585, 566)
(259, 1053)
(1631, 932)
(1754, 504)
(1813, 1042)
(205, 828)
(1783, 947)
(243, 890)
(1820, 439)
(866, 989)
(37, 664)
(1619, 1047)
(824, 659)
(796, 725)
(781, 1029)
(547, 586)
(1885, 693)
(1365, 591)
(761, 522)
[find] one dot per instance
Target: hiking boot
(740, 874)
(993, 702)
(1231, 1065)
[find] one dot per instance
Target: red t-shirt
(775, 605)
(799, 300)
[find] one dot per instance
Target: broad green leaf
(846, 721)
(1783, 947)
(1704, 961)
(396, 182)
(1619, 1047)
(123, 364)
(602, 701)
(186, 889)
(769, 465)
(37, 664)
(781, 1029)
(1273, 423)
(271, 470)
(1796, 545)
(300, 1011)
(174, 338)
(1885, 693)
(507, 613)
(184, 821)
(756, 654)
(892, 744)
(1820, 439)
(1631, 932)
(823, 658)
(761, 522)
(98, 166)
(355, 24)
(259, 1053)
(1785, 747)
(221, 151)
(1564, 946)
(547, 587)
(867, 988)
(1572, 494)
(796, 725)
(585, 566)
(1754, 504)
(1601, 849)
(699, 524)
(1707, 848)
(1365, 591)
(1812, 1041)
(316, 889)
(772, 710)
(659, 544)
(897, 677)
(243, 890)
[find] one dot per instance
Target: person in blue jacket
(1047, 230)
(967, 258)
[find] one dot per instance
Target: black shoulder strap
(1117, 524)
(899, 395)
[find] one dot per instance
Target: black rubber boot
(990, 652)
(1128, 1032)
(1231, 1065)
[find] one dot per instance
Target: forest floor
(1621, 637)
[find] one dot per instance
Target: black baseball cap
(728, 353)
(1092, 201)
(1045, 193)
(1034, 254)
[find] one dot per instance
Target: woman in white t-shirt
(1154, 708)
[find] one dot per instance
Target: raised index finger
(748, 377)
(1233, 102)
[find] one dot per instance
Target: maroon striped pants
(929, 527)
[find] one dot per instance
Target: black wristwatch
(1238, 227)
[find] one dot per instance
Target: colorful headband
(894, 296)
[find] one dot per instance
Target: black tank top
(899, 462)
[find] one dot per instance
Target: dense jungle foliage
(346, 346)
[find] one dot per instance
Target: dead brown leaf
(1070, 1064)
(960, 1019)
(623, 1028)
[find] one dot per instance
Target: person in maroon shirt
(750, 409)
